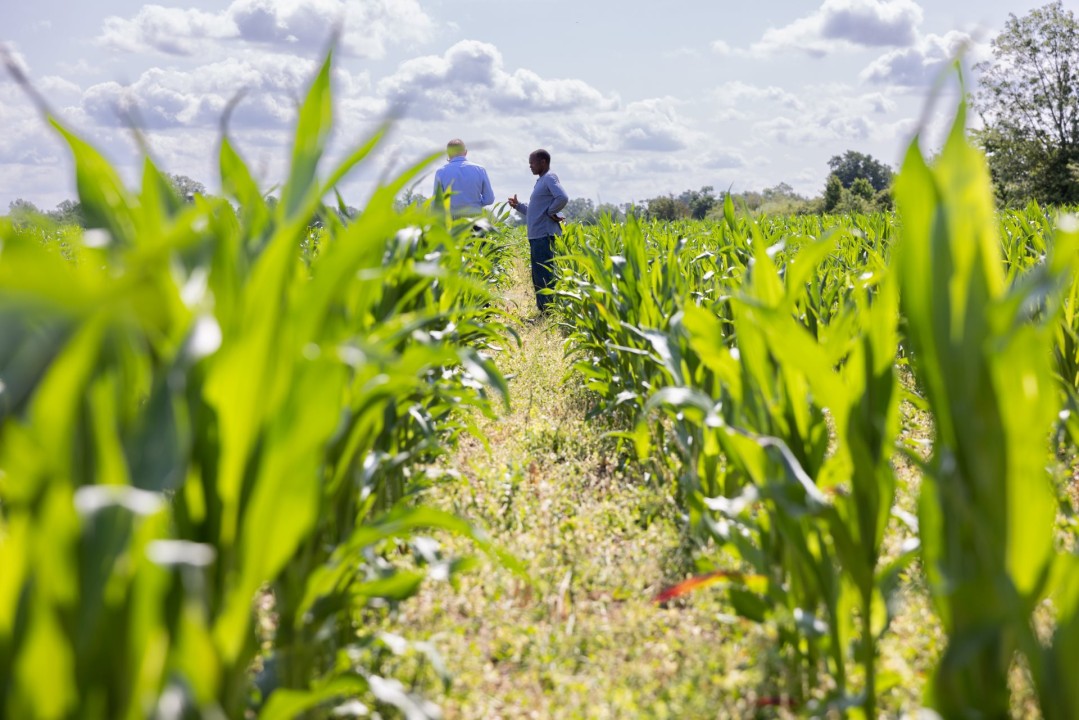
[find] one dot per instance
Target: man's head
(539, 162)
(456, 148)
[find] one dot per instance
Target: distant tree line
(857, 183)
(69, 212)
(584, 211)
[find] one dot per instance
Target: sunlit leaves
(203, 406)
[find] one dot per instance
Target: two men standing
(472, 191)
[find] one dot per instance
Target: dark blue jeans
(542, 250)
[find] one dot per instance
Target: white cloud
(794, 131)
(53, 85)
(833, 114)
(162, 98)
(723, 160)
(881, 104)
(843, 24)
(367, 26)
(722, 48)
(736, 92)
(80, 68)
(653, 125)
(871, 22)
(919, 65)
(470, 78)
(27, 139)
(668, 164)
(169, 30)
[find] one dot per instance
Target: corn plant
(203, 406)
(769, 349)
(809, 524)
(982, 354)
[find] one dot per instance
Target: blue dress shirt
(470, 185)
(548, 197)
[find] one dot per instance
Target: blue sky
(632, 99)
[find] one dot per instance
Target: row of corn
(764, 363)
(211, 416)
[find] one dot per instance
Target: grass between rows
(599, 538)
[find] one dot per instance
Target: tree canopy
(585, 212)
(1028, 100)
(185, 187)
(852, 165)
(691, 203)
(23, 212)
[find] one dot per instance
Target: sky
(632, 99)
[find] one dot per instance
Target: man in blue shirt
(544, 221)
(466, 181)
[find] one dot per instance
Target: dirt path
(584, 639)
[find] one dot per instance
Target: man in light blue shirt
(466, 181)
(544, 221)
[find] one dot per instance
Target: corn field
(214, 416)
(763, 364)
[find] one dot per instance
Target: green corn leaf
(399, 586)
(312, 131)
(283, 506)
(237, 182)
(157, 203)
(105, 202)
(335, 575)
(288, 704)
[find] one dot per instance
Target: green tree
(781, 199)
(699, 202)
(580, 210)
(22, 212)
(782, 191)
(1028, 100)
(611, 209)
(185, 187)
(667, 207)
(833, 193)
(862, 188)
(68, 212)
(852, 165)
(409, 197)
(750, 199)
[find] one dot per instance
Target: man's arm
(518, 205)
(561, 199)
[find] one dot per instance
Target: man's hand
(513, 201)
